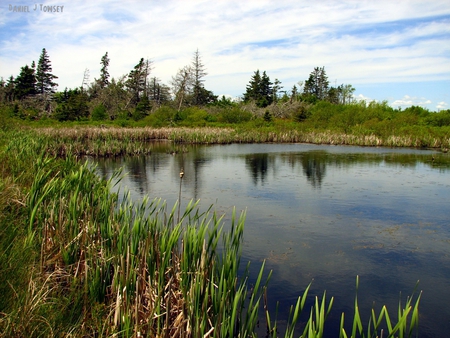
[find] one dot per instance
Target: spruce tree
(44, 77)
(200, 94)
(137, 80)
(25, 83)
(104, 75)
(317, 84)
(259, 90)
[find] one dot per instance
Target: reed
(107, 142)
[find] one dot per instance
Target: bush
(99, 113)
(235, 115)
(161, 117)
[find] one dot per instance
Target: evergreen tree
(104, 75)
(137, 80)
(276, 89)
(71, 105)
(317, 84)
(158, 92)
(266, 91)
(252, 89)
(25, 83)
(44, 77)
(9, 90)
(294, 93)
(199, 93)
(259, 90)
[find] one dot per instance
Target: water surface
(323, 214)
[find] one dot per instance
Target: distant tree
(346, 91)
(334, 95)
(317, 84)
(9, 90)
(71, 105)
(259, 90)
(294, 94)
(115, 97)
(276, 88)
(25, 83)
(104, 75)
(341, 94)
(158, 93)
(137, 80)
(85, 82)
(99, 113)
(182, 84)
(44, 77)
(198, 73)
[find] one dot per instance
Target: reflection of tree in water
(192, 163)
(136, 167)
(258, 165)
(314, 167)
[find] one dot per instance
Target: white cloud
(355, 41)
(361, 97)
(408, 101)
(442, 105)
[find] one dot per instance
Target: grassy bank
(114, 141)
(357, 123)
(77, 260)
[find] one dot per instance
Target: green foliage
(234, 115)
(25, 83)
(44, 77)
(163, 116)
(301, 113)
(99, 113)
(259, 90)
(439, 119)
(71, 105)
(224, 102)
(142, 109)
(317, 84)
(267, 116)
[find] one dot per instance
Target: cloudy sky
(392, 50)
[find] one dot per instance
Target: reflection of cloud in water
(379, 213)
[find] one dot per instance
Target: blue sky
(397, 51)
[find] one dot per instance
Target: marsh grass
(79, 261)
(106, 142)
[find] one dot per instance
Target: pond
(321, 214)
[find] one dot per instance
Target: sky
(395, 51)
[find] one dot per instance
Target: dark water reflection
(322, 213)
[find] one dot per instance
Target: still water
(321, 214)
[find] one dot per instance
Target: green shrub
(99, 113)
(235, 115)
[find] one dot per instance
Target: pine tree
(25, 83)
(104, 75)
(259, 90)
(252, 89)
(158, 92)
(317, 84)
(44, 77)
(9, 89)
(198, 73)
(137, 80)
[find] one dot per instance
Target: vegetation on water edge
(357, 124)
(77, 260)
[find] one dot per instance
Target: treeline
(139, 96)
